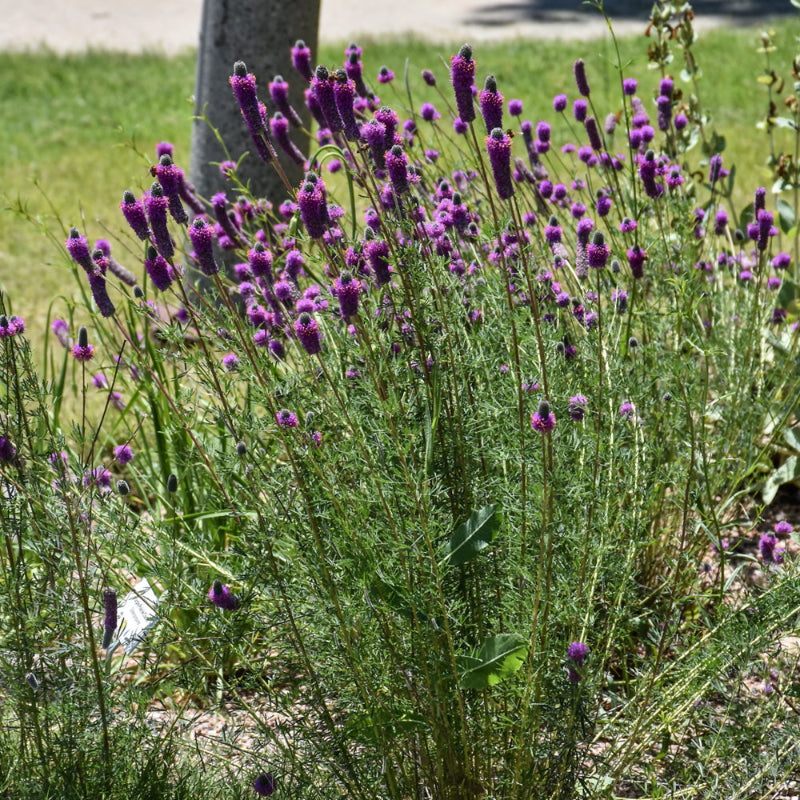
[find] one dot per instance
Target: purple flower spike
(579, 69)
(279, 128)
(97, 283)
(377, 253)
(201, 235)
(491, 103)
(598, 251)
(221, 596)
(462, 75)
(499, 146)
(593, 133)
(78, 248)
(11, 326)
(579, 109)
(559, 103)
(397, 167)
(770, 552)
(260, 261)
(82, 350)
(160, 272)
(219, 205)
(515, 107)
(577, 407)
(156, 205)
(347, 289)
(344, 93)
(322, 87)
(243, 84)
(428, 112)
(313, 209)
(264, 784)
(390, 120)
(385, 75)
(629, 86)
(576, 656)
(429, 77)
(374, 134)
(301, 59)
(286, 419)
(123, 454)
(279, 92)
(7, 450)
(171, 178)
(133, 210)
(636, 259)
(543, 420)
(110, 620)
(307, 331)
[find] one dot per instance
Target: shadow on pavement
(565, 11)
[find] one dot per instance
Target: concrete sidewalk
(75, 25)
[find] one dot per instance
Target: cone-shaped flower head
(279, 92)
(201, 235)
(160, 272)
(307, 330)
(322, 86)
(78, 248)
(221, 596)
(636, 258)
(397, 167)
(260, 261)
(543, 420)
(579, 69)
(110, 621)
(264, 784)
(498, 145)
(301, 59)
(313, 208)
(462, 75)
(374, 134)
(133, 210)
(82, 350)
(491, 103)
(347, 289)
(279, 128)
(598, 251)
(156, 205)
(344, 92)
(243, 84)
(97, 283)
(171, 179)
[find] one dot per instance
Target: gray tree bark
(260, 33)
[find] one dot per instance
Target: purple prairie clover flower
(499, 146)
(760, 199)
(578, 210)
(428, 112)
(286, 418)
(284, 292)
(160, 272)
(428, 77)
(765, 219)
(579, 70)
(576, 656)
(313, 208)
(603, 203)
(264, 784)
(110, 616)
(11, 326)
(462, 75)
(577, 407)
(133, 211)
(459, 126)
(610, 124)
(783, 528)
(7, 450)
(714, 169)
(385, 75)
(579, 110)
(377, 254)
(78, 248)
(355, 71)
(322, 87)
(388, 117)
(559, 103)
(97, 283)
(674, 177)
(165, 148)
(627, 410)
(279, 92)
(201, 235)
(773, 283)
(243, 84)
(781, 261)
(221, 596)
(99, 477)
(745, 276)
(123, 454)
(515, 107)
(294, 264)
(552, 231)
(770, 552)
(648, 169)
(277, 349)
(543, 420)
(629, 86)
(279, 128)
(307, 330)
(491, 103)
(230, 361)
(636, 258)
(260, 261)
(344, 92)
(559, 191)
(316, 110)
(301, 59)
(397, 167)
(720, 222)
(374, 134)
(593, 133)
(156, 206)
(113, 265)
(219, 205)
(61, 332)
(171, 177)
(347, 289)
(778, 315)
(598, 251)
(543, 131)
(681, 121)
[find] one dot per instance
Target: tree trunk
(260, 33)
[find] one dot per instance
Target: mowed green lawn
(77, 131)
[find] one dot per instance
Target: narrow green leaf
(472, 536)
(498, 658)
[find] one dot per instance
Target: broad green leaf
(792, 438)
(787, 472)
(498, 658)
(786, 215)
(473, 535)
(784, 122)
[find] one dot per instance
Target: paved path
(172, 25)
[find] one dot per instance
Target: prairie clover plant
(428, 455)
